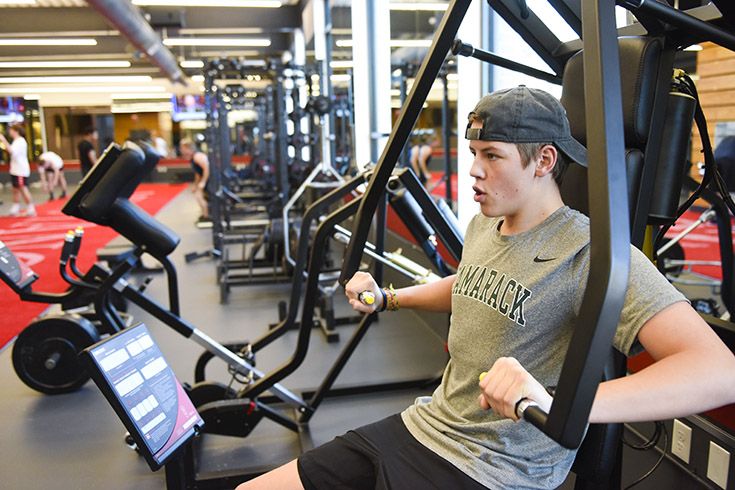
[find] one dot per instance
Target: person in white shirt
(20, 169)
(51, 171)
(160, 144)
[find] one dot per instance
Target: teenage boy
(514, 302)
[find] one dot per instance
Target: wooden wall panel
(712, 52)
(717, 99)
(716, 86)
(125, 123)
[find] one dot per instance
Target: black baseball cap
(525, 115)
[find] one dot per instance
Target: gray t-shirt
(520, 296)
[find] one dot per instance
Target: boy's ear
(546, 160)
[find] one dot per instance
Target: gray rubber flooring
(75, 441)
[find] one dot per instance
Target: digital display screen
(12, 109)
(139, 384)
(187, 107)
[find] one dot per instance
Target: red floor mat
(439, 188)
(37, 242)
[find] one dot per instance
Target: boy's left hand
(506, 384)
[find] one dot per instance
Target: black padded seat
(107, 204)
(639, 64)
(142, 229)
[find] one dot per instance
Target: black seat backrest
(639, 62)
(596, 465)
(108, 204)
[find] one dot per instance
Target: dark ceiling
(83, 21)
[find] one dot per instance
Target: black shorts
(18, 181)
(383, 455)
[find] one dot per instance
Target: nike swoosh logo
(538, 259)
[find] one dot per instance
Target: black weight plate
(45, 354)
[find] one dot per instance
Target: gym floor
(75, 441)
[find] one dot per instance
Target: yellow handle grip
(366, 297)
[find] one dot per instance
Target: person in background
(421, 156)
(51, 171)
(200, 165)
(87, 152)
(159, 144)
(20, 169)
(725, 160)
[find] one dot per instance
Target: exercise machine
(610, 218)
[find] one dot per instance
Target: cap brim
(574, 150)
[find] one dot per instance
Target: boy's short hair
(531, 151)
(88, 130)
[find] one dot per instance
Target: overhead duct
(131, 24)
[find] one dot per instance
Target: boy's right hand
(363, 282)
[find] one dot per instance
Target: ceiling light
(65, 64)
(80, 79)
(452, 76)
(341, 78)
(208, 3)
(197, 78)
(32, 96)
(213, 41)
(219, 31)
(234, 53)
(70, 41)
(191, 64)
(342, 64)
(76, 90)
(693, 47)
(142, 107)
(134, 96)
(17, 2)
(394, 43)
(413, 6)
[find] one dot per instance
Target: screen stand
(180, 470)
